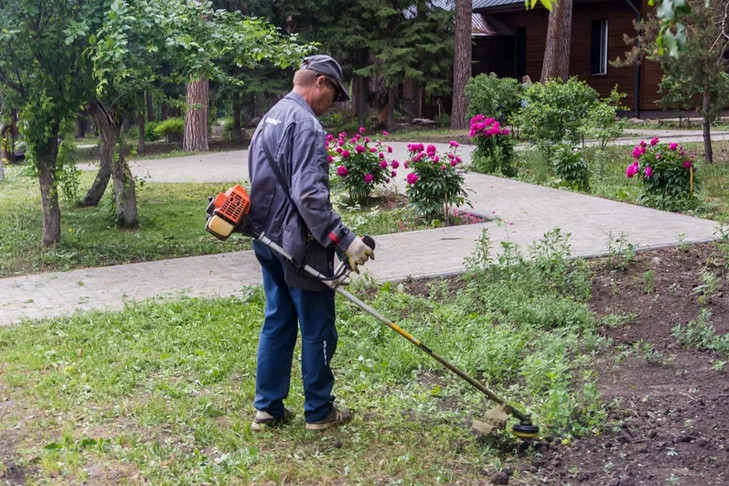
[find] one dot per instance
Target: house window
(520, 46)
(598, 51)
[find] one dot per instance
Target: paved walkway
(525, 212)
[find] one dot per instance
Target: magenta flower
(436, 159)
(454, 163)
(381, 155)
(339, 150)
(373, 149)
(406, 164)
(361, 129)
(393, 173)
(412, 178)
(387, 180)
(458, 160)
(359, 149)
(648, 172)
(631, 170)
(654, 141)
(453, 143)
(368, 178)
(385, 133)
(395, 164)
(431, 149)
(330, 158)
(688, 164)
(673, 146)
(389, 150)
(345, 154)
(342, 171)
(383, 164)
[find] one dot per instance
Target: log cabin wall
(498, 54)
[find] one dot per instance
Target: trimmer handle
(369, 241)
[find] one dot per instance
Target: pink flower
(367, 139)
(358, 136)
(673, 146)
(412, 178)
(330, 158)
(436, 159)
(454, 163)
(381, 155)
(654, 141)
(688, 164)
(453, 143)
(406, 164)
(345, 154)
(389, 150)
(431, 149)
(385, 134)
(631, 170)
(387, 181)
(373, 149)
(395, 164)
(383, 164)
(642, 143)
(339, 150)
(359, 149)
(342, 171)
(648, 172)
(368, 178)
(393, 173)
(458, 160)
(361, 129)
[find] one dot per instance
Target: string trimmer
(228, 211)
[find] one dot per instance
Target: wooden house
(509, 40)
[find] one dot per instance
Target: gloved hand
(358, 253)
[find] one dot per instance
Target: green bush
(493, 96)
(555, 111)
(149, 131)
(171, 126)
(568, 163)
(494, 147)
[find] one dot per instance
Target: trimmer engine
(229, 210)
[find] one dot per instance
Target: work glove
(358, 253)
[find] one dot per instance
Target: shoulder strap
(272, 163)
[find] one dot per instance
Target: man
(289, 172)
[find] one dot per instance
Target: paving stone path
(522, 212)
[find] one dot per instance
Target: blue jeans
(314, 312)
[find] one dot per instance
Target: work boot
(337, 416)
(264, 420)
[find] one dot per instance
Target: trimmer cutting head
(525, 431)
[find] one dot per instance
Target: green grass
(172, 218)
(440, 135)
(163, 391)
(607, 177)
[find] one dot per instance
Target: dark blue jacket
(296, 141)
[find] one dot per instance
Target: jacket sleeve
(310, 189)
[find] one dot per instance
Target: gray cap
(326, 65)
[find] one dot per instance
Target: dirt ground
(669, 405)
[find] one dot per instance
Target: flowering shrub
(666, 172)
(436, 182)
(361, 163)
(494, 147)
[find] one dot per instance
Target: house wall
(619, 16)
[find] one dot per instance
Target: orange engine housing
(233, 205)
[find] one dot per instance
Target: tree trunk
(109, 137)
(237, 106)
(47, 155)
(360, 99)
(391, 100)
(164, 112)
(140, 141)
(556, 62)
(708, 151)
(196, 117)
(125, 195)
(461, 63)
(150, 105)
